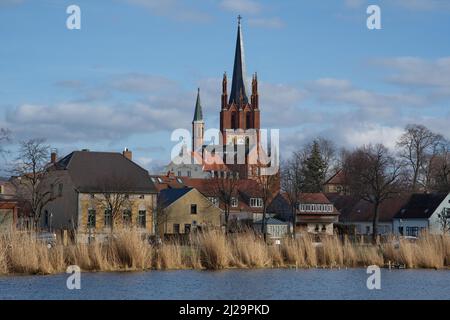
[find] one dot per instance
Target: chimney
(53, 156)
(128, 154)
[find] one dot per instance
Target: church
(239, 149)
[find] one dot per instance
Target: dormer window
(256, 202)
(214, 201)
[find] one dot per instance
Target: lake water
(281, 284)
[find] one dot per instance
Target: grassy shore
(20, 253)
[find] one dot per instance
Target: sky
(129, 76)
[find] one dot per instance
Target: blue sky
(130, 75)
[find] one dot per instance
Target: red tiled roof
(337, 178)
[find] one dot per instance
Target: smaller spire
(198, 114)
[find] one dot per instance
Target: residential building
(361, 215)
(9, 206)
(247, 203)
(96, 192)
(275, 229)
(183, 210)
(421, 213)
(314, 212)
(335, 184)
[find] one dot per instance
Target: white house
(423, 212)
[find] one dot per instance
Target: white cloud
(417, 72)
(86, 122)
(366, 133)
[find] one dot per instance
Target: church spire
(238, 85)
(198, 114)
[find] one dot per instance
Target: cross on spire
(239, 19)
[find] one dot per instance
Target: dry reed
(21, 253)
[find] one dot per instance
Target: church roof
(198, 114)
(238, 85)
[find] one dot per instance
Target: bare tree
(113, 195)
(373, 175)
(440, 169)
(291, 184)
(161, 217)
(418, 147)
(31, 172)
(4, 138)
(268, 184)
(225, 189)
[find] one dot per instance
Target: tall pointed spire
(238, 85)
(198, 114)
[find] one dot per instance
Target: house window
(234, 202)
(412, 231)
(142, 221)
(91, 218)
(367, 229)
(126, 217)
(52, 190)
(256, 202)
(214, 201)
(179, 173)
(108, 218)
(176, 228)
(187, 228)
(400, 230)
(60, 190)
(193, 209)
(189, 173)
(47, 219)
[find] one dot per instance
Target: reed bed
(21, 253)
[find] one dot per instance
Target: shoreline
(19, 275)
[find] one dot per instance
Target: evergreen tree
(313, 170)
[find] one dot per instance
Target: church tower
(198, 126)
(238, 112)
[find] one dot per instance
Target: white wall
(410, 223)
(435, 226)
